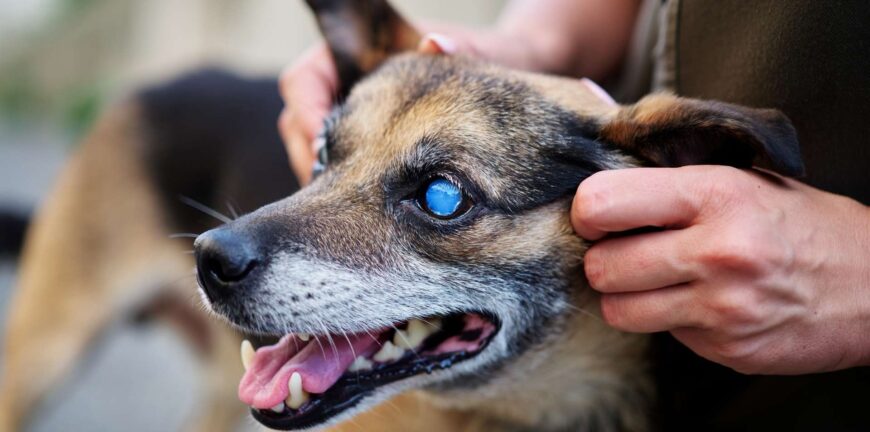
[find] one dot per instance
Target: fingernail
(598, 91)
(436, 43)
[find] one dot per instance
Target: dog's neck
(589, 378)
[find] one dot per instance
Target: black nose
(223, 260)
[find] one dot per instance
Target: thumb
(437, 43)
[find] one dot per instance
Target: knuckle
(591, 201)
(734, 353)
(737, 250)
(735, 307)
(611, 311)
(723, 184)
(593, 267)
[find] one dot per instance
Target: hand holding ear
(751, 270)
(310, 86)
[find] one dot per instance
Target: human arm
(570, 37)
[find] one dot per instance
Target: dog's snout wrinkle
(223, 260)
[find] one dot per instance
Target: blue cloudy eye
(443, 198)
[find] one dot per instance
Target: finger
(620, 200)
(652, 311)
(308, 88)
(436, 43)
(315, 68)
(298, 149)
(641, 262)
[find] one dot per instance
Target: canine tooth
(304, 337)
(402, 339)
(247, 353)
(298, 396)
(278, 408)
(416, 333)
(389, 352)
(360, 363)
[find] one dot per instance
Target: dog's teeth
(389, 352)
(247, 353)
(402, 339)
(298, 396)
(416, 333)
(278, 408)
(359, 364)
(304, 337)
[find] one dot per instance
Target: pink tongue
(265, 382)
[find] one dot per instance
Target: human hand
(307, 87)
(751, 270)
(309, 84)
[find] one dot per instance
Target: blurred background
(61, 63)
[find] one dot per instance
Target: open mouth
(302, 381)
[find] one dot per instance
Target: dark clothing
(810, 59)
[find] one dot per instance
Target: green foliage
(71, 7)
(81, 108)
(18, 97)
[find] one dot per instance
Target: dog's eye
(443, 199)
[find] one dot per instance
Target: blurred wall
(79, 53)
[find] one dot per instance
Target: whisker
(317, 339)
(183, 235)
(329, 338)
(349, 344)
(232, 210)
(406, 340)
(584, 312)
(205, 209)
(373, 337)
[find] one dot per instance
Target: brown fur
(505, 133)
(525, 140)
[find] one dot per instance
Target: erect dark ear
(361, 34)
(666, 130)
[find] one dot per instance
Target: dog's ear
(361, 34)
(670, 131)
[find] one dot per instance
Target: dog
(428, 279)
(434, 250)
(103, 251)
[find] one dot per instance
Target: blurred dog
(434, 252)
(102, 250)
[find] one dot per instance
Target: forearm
(573, 37)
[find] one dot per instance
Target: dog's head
(435, 250)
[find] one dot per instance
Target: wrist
(546, 50)
(864, 281)
(852, 276)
